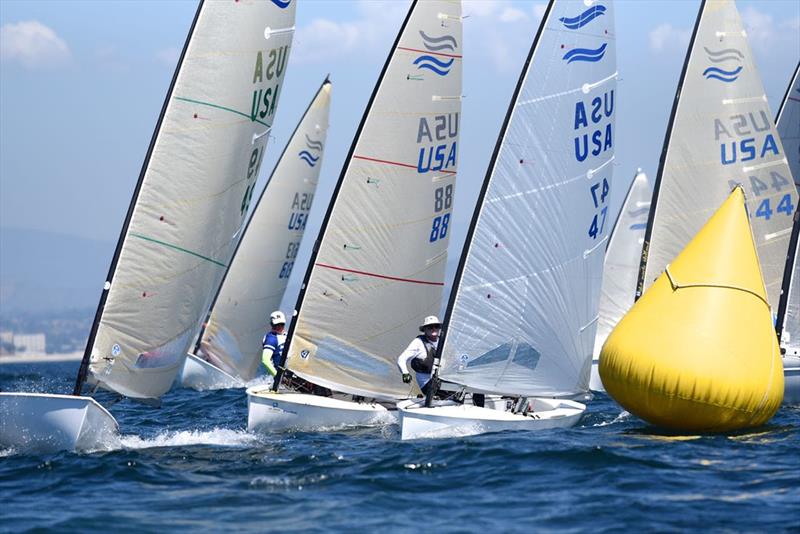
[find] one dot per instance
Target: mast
(84, 367)
(317, 243)
(791, 256)
(665, 148)
(479, 204)
(250, 219)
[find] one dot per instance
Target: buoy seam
(676, 286)
(671, 396)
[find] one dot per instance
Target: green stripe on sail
(209, 104)
(175, 247)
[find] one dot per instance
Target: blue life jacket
(272, 342)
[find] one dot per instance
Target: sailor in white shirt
(421, 353)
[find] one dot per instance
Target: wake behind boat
(523, 312)
(379, 260)
(180, 229)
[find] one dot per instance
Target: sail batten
(191, 198)
(371, 279)
(523, 311)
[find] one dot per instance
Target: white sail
(623, 256)
(788, 123)
(260, 268)
(379, 266)
(523, 315)
(721, 134)
(192, 196)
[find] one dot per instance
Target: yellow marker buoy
(698, 351)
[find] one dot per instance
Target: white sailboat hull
(48, 423)
(791, 380)
(270, 412)
(201, 375)
(595, 384)
(448, 419)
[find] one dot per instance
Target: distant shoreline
(41, 358)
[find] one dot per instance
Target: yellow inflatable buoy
(698, 351)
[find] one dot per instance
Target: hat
(276, 318)
(430, 320)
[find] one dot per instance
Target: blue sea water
(192, 465)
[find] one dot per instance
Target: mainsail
(788, 123)
(623, 255)
(721, 134)
(192, 196)
(380, 255)
(522, 316)
(260, 268)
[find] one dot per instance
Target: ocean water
(192, 465)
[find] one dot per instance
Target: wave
(445, 42)
(306, 156)
(310, 143)
(283, 4)
(223, 437)
(584, 18)
(585, 54)
(438, 66)
(726, 76)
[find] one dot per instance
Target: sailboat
(228, 349)
(187, 210)
(520, 324)
(788, 321)
(621, 265)
(379, 260)
(720, 134)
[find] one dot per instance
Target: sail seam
(180, 249)
(376, 275)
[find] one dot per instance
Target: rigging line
(209, 104)
(376, 275)
(180, 249)
(676, 286)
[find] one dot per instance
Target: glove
(406, 378)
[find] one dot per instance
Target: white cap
(430, 320)
(276, 318)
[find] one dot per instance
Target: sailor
(273, 342)
(421, 352)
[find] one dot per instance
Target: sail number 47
(599, 192)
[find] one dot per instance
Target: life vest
(425, 366)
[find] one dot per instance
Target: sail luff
(196, 188)
(722, 135)
(87, 353)
(255, 282)
(334, 197)
(523, 318)
(379, 264)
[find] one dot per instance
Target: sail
(260, 269)
(381, 252)
(192, 196)
(721, 134)
(522, 318)
(788, 123)
(623, 255)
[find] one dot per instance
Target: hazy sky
(82, 84)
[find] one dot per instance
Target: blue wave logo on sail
(283, 4)
(584, 18)
(729, 73)
(435, 44)
(439, 66)
(313, 145)
(306, 156)
(585, 54)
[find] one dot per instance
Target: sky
(82, 85)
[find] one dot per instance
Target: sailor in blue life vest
(421, 352)
(273, 342)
